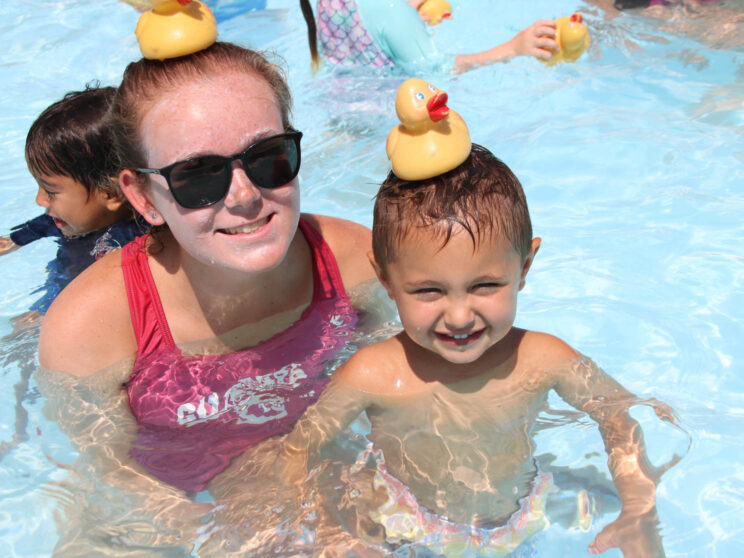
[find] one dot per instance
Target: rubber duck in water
(572, 35)
(431, 139)
(434, 11)
(175, 28)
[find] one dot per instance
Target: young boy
(70, 153)
(453, 398)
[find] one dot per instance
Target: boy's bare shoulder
(377, 369)
(545, 351)
(350, 243)
(88, 326)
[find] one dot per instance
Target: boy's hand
(536, 40)
(637, 536)
(7, 245)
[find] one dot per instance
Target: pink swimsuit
(197, 412)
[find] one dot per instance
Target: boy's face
(456, 301)
(73, 210)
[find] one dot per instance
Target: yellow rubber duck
(175, 28)
(572, 35)
(434, 11)
(431, 139)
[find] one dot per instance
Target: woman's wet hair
(482, 195)
(73, 137)
(146, 81)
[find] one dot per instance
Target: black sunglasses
(204, 180)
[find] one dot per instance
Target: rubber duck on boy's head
(431, 139)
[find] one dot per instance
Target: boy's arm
(25, 233)
(7, 245)
(338, 406)
(585, 386)
(38, 227)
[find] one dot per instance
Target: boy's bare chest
(459, 409)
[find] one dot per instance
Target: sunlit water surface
(632, 163)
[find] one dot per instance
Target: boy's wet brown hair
(482, 195)
(73, 138)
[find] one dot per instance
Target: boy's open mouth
(59, 223)
(460, 339)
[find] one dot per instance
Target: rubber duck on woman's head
(175, 28)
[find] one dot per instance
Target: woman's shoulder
(350, 243)
(88, 326)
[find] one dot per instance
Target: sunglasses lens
(274, 162)
(201, 181)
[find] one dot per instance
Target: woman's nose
(242, 191)
(42, 199)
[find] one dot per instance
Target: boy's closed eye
(486, 288)
(427, 293)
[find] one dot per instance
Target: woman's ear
(534, 247)
(135, 188)
(380, 274)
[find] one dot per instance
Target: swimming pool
(632, 163)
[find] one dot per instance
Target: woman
(231, 311)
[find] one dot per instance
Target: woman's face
(250, 230)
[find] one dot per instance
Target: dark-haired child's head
(70, 152)
(482, 196)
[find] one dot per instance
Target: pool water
(633, 164)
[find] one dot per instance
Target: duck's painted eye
(432, 88)
(419, 96)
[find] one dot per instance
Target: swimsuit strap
(150, 325)
(145, 308)
(327, 281)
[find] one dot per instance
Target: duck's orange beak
(437, 106)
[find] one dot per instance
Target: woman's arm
(107, 492)
(86, 350)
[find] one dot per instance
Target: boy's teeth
(461, 336)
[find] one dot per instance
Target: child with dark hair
(454, 397)
(70, 153)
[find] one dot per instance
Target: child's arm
(586, 387)
(25, 233)
(536, 40)
(7, 245)
(34, 229)
(339, 405)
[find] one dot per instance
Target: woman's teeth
(246, 229)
